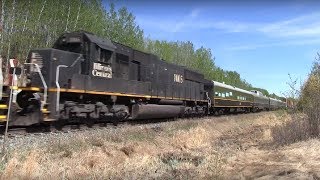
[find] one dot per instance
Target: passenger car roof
(219, 84)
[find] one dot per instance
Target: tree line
(29, 24)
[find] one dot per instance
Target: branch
(78, 14)
(67, 19)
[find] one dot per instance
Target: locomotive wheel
(115, 121)
(89, 122)
(46, 127)
(59, 124)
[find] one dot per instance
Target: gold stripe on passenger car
(231, 99)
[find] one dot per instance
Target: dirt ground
(226, 147)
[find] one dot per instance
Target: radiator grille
(37, 59)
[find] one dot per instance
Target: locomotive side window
(103, 55)
(86, 55)
(98, 51)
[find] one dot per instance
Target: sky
(263, 41)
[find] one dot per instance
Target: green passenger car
(261, 102)
(231, 98)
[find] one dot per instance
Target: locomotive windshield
(72, 44)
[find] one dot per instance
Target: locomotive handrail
(57, 80)
(58, 86)
(1, 79)
(77, 60)
(45, 87)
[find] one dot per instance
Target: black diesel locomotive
(84, 78)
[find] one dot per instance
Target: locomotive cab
(92, 49)
(65, 67)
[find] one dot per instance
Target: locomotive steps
(203, 148)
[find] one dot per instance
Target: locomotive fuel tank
(154, 111)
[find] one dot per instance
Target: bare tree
(78, 14)
(67, 19)
(38, 22)
(11, 29)
(26, 17)
(2, 25)
(293, 91)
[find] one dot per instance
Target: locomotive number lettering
(102, 70)
(178, 78)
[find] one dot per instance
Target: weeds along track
(39, 130)
(26, 137)
(199, 148)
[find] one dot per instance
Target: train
(87, 79)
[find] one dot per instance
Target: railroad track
(14, 132)
(39, 130)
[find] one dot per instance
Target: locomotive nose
(24, 109)
(28, 102)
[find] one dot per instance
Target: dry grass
(296, 161)
(185, 149)
(295, 130)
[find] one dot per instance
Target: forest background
(29, 24)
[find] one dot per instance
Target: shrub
(297, 129)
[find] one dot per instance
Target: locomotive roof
(110, 45)
(103, 43)
(219, 84)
